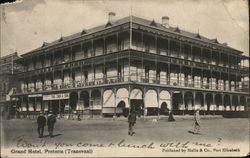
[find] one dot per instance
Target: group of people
(132, 121)
(41, 123)
(51, 120)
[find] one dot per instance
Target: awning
(151, 99)
(122, 95)
(136, 94)
(109, 99)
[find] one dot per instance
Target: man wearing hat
(197, 122)
(51, 122)
(131, 121)
(41, 122)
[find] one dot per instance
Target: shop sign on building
(56, 96)
(35, 95)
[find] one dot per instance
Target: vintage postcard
(124, 78)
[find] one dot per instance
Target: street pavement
(214, 130)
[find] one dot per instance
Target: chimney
(165, 21)
(111, 17)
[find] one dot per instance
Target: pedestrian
(196, 122)
(41, 122)
(145, 113)
(171, 117)
(51, 120)
(131, 121)
(74, 115)
(79, 117)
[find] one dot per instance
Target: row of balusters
(38, 107)
(175, 79)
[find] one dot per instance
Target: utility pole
(12, 64)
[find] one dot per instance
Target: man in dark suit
(41, 122)
(196, 122)
(51, 120)
(131, 121)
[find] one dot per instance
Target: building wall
(151, 59)
(120, 71)
(118, 100)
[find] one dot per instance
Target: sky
(26, 24)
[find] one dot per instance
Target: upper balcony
(141, 41)
(175, 80)
(244, 71)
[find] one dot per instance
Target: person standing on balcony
(131, 121)
(41, 122)
(50, 123)
(196, 122)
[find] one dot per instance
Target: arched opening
(164, 110)
(227, 102)
(121, 104)
(235, 103)
(242, 104)
(136, 101)
(199, 101)
(108, 99)
(177, 102)
(218, 102)
(73, 98)
(122, 96)
(151, 102)
(84, 102)
(96, 102)
(96, 97)
(39, 104)
(121, 109)
(164, 100)
(189, 102)
(209, 101)
(32, 105)
(84, 99)
(46, 106)
(108, 102)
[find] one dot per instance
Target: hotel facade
(132, 63)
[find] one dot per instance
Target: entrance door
(177, 102)
(121, 110)
(55, 107)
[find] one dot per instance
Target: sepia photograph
(124, 78)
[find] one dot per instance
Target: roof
(9, 56)
(137, 20)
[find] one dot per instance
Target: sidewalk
(145, 118)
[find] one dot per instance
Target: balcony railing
(125, 45)
(151, 80)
